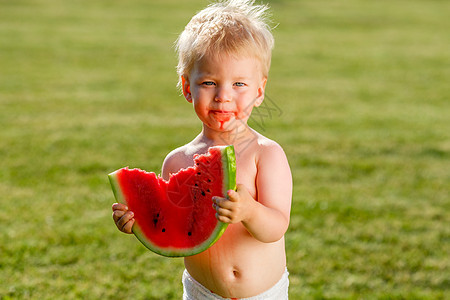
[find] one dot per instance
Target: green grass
(87, 87)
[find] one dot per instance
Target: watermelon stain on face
(175, 217)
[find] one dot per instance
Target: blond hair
(233, 27)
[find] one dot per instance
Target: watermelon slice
(176, 217)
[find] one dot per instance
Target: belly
(238, 265)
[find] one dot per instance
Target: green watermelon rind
(229, 183)
(114, 181)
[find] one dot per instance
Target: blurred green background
(362, 97)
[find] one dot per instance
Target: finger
(119, 206)
(223, 211)
(223, 203)
(215, 199)
(124, 219)
(128, 227)
(117, 214)
(223, 219)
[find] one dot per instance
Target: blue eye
(208, 83)
(239, 84)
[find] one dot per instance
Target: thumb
(232, 195)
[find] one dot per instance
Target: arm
(268, 218)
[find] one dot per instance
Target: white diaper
(193, 290)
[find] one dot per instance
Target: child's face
(224, 89)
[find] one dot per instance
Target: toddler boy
(224, 59)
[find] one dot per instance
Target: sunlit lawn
(358, 96)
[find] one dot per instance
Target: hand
(123, 217)
(235, 209)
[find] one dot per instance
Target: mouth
(222, 116)
(225, 112)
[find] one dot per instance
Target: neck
(236, 136)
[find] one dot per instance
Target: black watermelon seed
(155, 221)
(163, 230)
(189, 233)
(203, 193)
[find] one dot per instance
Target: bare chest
(246, 172)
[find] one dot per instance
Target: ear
(261, 89)
(186, 88)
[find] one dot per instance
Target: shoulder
(269, 149)
(181, 158)
(177, 159)
(271, 158)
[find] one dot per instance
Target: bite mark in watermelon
(176, 217)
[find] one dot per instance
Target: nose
(223, 94)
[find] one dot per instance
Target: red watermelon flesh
(175, 217)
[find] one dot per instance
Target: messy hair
(233, 27)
